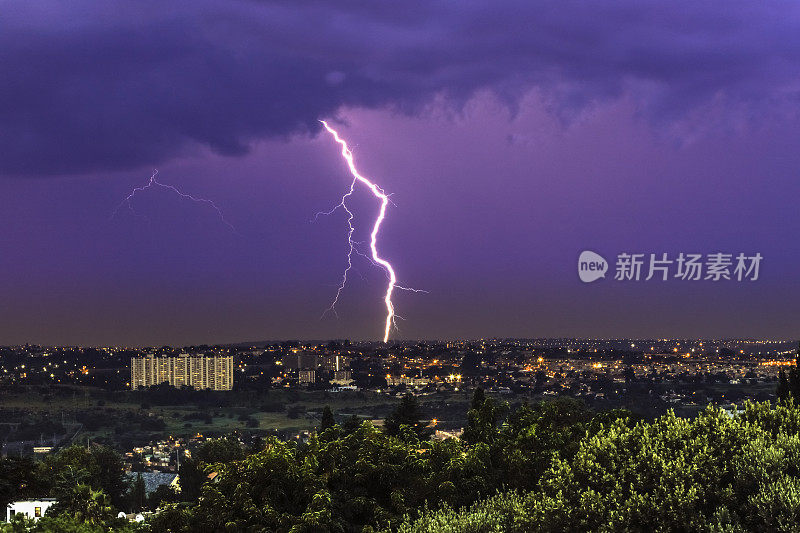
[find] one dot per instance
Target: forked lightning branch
(376, 259)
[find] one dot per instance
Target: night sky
(512, 136)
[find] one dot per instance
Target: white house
(29, 508)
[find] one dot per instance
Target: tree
(69, 524)
(351, 424)
(783, 392)
(138, 494)
(99, 467)
(219, 450)
(86, 505)
(172, 518)
(162, 494)
(193, 471)
(483, 418)
(364, 481)
(268, 491)
(327, 420)
(478, 397)
(714, 473)
(497, 514)
(407, 413)
(191, 478)
(19, 479)
(789, 386)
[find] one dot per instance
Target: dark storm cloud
(90, 86)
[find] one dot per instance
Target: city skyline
(511, 139)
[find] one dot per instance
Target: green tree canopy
(327, 420)
(715, 473)
(98, 467)
(407, 413)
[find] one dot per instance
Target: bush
(714, 473)
(294, 411)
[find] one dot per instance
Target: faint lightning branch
(400, 287)
(350, 242)
(396, 285)
(153, 182)
(374, 257)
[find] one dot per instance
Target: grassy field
(127, 418)
(122, 417)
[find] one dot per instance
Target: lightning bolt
(153, 182)
(351, 244)
(373, 243)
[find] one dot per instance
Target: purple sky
(512, 135)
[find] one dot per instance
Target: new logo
(591, 266)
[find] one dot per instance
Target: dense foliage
(552, 466)
(789, 382)
(363, 479)
(715, 473)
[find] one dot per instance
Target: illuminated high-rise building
(197, 371)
